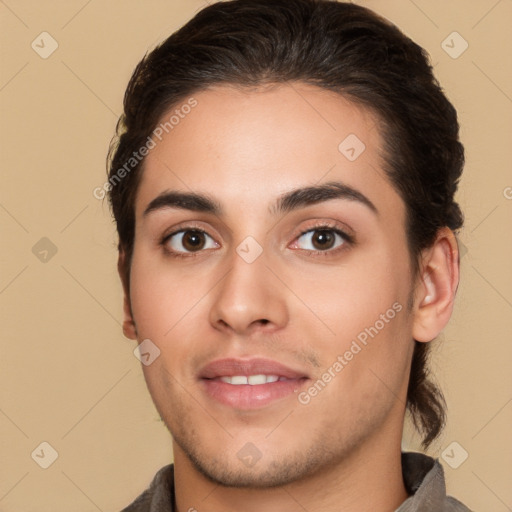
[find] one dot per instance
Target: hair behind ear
(123, 267)
(425, 400)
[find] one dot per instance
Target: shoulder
(425, 483)
(159, 496)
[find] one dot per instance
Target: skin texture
(245, 148)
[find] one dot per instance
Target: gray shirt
(423, 479)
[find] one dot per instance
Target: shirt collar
(424, 481)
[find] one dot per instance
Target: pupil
(193, 240)
(323, 239)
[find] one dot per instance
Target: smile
(252, 380)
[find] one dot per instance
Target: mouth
(251, 383)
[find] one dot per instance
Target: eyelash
(349, 240)
(181, 229)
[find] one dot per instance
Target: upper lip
(257, 366)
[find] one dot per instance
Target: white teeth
(257, 379)
(239, 379)
(253, 380)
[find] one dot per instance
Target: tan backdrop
(70, 380)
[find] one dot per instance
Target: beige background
(69, 378)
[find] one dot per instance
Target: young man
(283, 186)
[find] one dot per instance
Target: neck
(370, 478)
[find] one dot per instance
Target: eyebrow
(288, 202)
(317, 194)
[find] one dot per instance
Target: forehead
(248, 146)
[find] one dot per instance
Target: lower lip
(247, 396)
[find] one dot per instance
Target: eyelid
(185, 226)
(182, 228)
(345, 233)
(182, 231)
(329, 225)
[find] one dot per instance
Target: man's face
(274, 280)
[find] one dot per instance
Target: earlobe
(436, 287)
(129, 327)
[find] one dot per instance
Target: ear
(129, 328)
(436, 286)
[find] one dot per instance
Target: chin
(240, 470)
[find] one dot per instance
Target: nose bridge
(249, 294)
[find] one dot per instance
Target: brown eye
(193, 240)
(190, 240)
(321, 239)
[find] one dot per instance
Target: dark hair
(336, 46)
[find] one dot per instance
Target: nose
(249, 298)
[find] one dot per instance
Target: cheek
(368, 343)
(161, 298)
(365, 378)
(347, 301)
